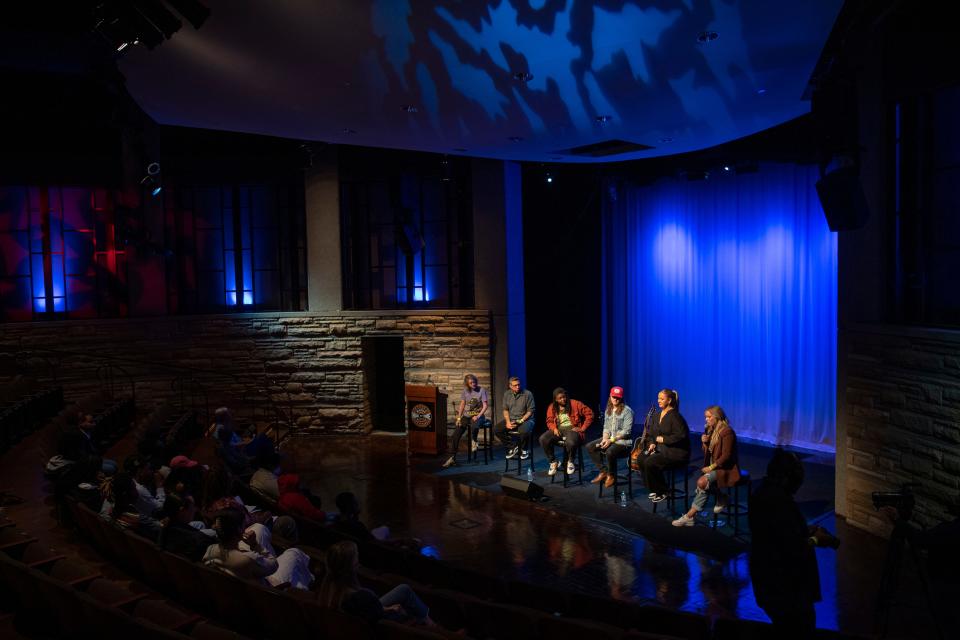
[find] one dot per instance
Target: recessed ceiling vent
(607, 148)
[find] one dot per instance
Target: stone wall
(901, 406)
(305, 364)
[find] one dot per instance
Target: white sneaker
(658, 497)
(553, 468)
(512, 453)
(571, 468)
(651, 494)
(683, 521)
(450, 462)
(721, 504)
(524, 454)
(474, 446)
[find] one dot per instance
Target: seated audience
(185, 476)
(348, 520)
(295, 501)
(264, 479)
(341, 590)
(249, 554)
(183, 534)
(148, 482)
(224, 430)
(85, 424)
(120, 499)
(720, 468)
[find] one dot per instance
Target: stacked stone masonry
(301, 364)
(902, 414)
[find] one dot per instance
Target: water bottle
(623, 498)
(529, 474)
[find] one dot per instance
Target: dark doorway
(383, 370)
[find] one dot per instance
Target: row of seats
(256, 610)
(55, 595)
(21, 415)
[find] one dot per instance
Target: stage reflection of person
(783, 564)
(668, 444)
(616, 439)
(567, 423)
(471, 415)
(518, 410)
(720, 468)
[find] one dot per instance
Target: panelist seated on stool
(616, 440)
(518, 410)
(567, 423)
(720, 471)
(471, 416)
(666, 444)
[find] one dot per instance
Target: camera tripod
(903, 536)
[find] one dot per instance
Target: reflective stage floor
(578, 543)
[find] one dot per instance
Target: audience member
(145, 476)
(120, 499)
(348, 520)
(249, 554)
(264, 479)
(294, 501)
(182, 534)
(340, 589)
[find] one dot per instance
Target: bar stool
(735, 508)
(618, 478)
(516, 440)
(486, 427)
(671, 477)
(563, 466)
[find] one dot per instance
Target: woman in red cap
(616, 440)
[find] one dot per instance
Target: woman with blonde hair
(720, 469)
(341, 590)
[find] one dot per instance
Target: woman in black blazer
(667, 444)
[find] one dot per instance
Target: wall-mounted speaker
(520, 488)
(843, 201)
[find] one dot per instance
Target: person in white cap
(616, 440)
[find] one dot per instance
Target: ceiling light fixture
(603, 119)
(409, 108)
(707, 36)
(760, 92)
(522, 76)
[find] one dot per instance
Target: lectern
(426, 419)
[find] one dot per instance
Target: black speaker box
(520, 488)
(843, 201)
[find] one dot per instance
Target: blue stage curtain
(726, 290)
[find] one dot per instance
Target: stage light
(156, 191)
(153, 180)
(726, 167)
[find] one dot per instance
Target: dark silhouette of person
(783, 564)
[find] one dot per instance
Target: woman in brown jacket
(719, 444)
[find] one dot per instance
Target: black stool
(671, 477)
(516, 440)
(563, 466)
(735, 508)
(618, 478)
(486, 427)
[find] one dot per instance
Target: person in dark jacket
(667, 444)
(783, 564)
(178, 536)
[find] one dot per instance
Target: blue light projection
(726, 290)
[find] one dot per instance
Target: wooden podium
(426, 419)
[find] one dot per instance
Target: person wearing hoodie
(294, 501)
(567, 424)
